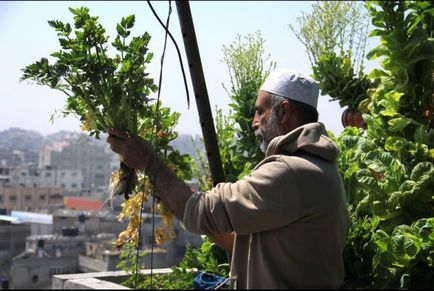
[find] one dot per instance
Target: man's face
(265, 123)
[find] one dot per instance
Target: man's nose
(255, 123)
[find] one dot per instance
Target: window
(28, 197)
(42, 197)
(73, 185)
(74, 174)
(1, 198)
(13, 198)
(56, 196)
(35, 278)
(4, 171)
(48, 174)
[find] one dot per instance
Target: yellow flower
(131, 210)
(89, 123)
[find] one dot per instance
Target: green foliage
(105, 91)
(246, 66)
(200, 168)
(179, 163)
(384, 194)
(128, 263)
(381, 189)
(178, 279)
(388, 168)
(239, 148)
(175, 280)
(102, 91)
(227, 143)
(333, 26)
(334, 35)
(405, 80)
(337, 79)
(207, 258)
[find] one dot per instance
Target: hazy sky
(26, 37)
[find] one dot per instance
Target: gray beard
(271, 130)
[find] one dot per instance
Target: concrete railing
(98, 280)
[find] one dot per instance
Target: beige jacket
(289, 215)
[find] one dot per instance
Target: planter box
(98, 280)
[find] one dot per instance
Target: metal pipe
(200, 91)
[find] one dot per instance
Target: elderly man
(286, 223)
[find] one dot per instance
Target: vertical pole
(200, 91)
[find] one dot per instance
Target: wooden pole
(200, 91)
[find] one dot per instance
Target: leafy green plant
(102, 91)
(333, 26)
(208, 258)
(238, 145)
(128, 263)
(179, 278)
(114, 91)
(406, 87)
(245, 60)
(388, 168)
(338, 80)
(383, 194)
(334, 35)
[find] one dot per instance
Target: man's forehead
(263, 97)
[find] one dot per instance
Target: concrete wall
(12, 243)
(91, 224)
(32, 273)
(98, 280)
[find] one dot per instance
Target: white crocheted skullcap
(292, 84)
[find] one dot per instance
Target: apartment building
(11, 156)
(81, 241)
(92, 158)
(13, 235)
(47, 255)
(31, 198)
(32, 176)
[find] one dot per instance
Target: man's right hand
(138, 153)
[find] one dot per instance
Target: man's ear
(285, 111)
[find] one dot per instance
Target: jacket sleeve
(268, 198)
